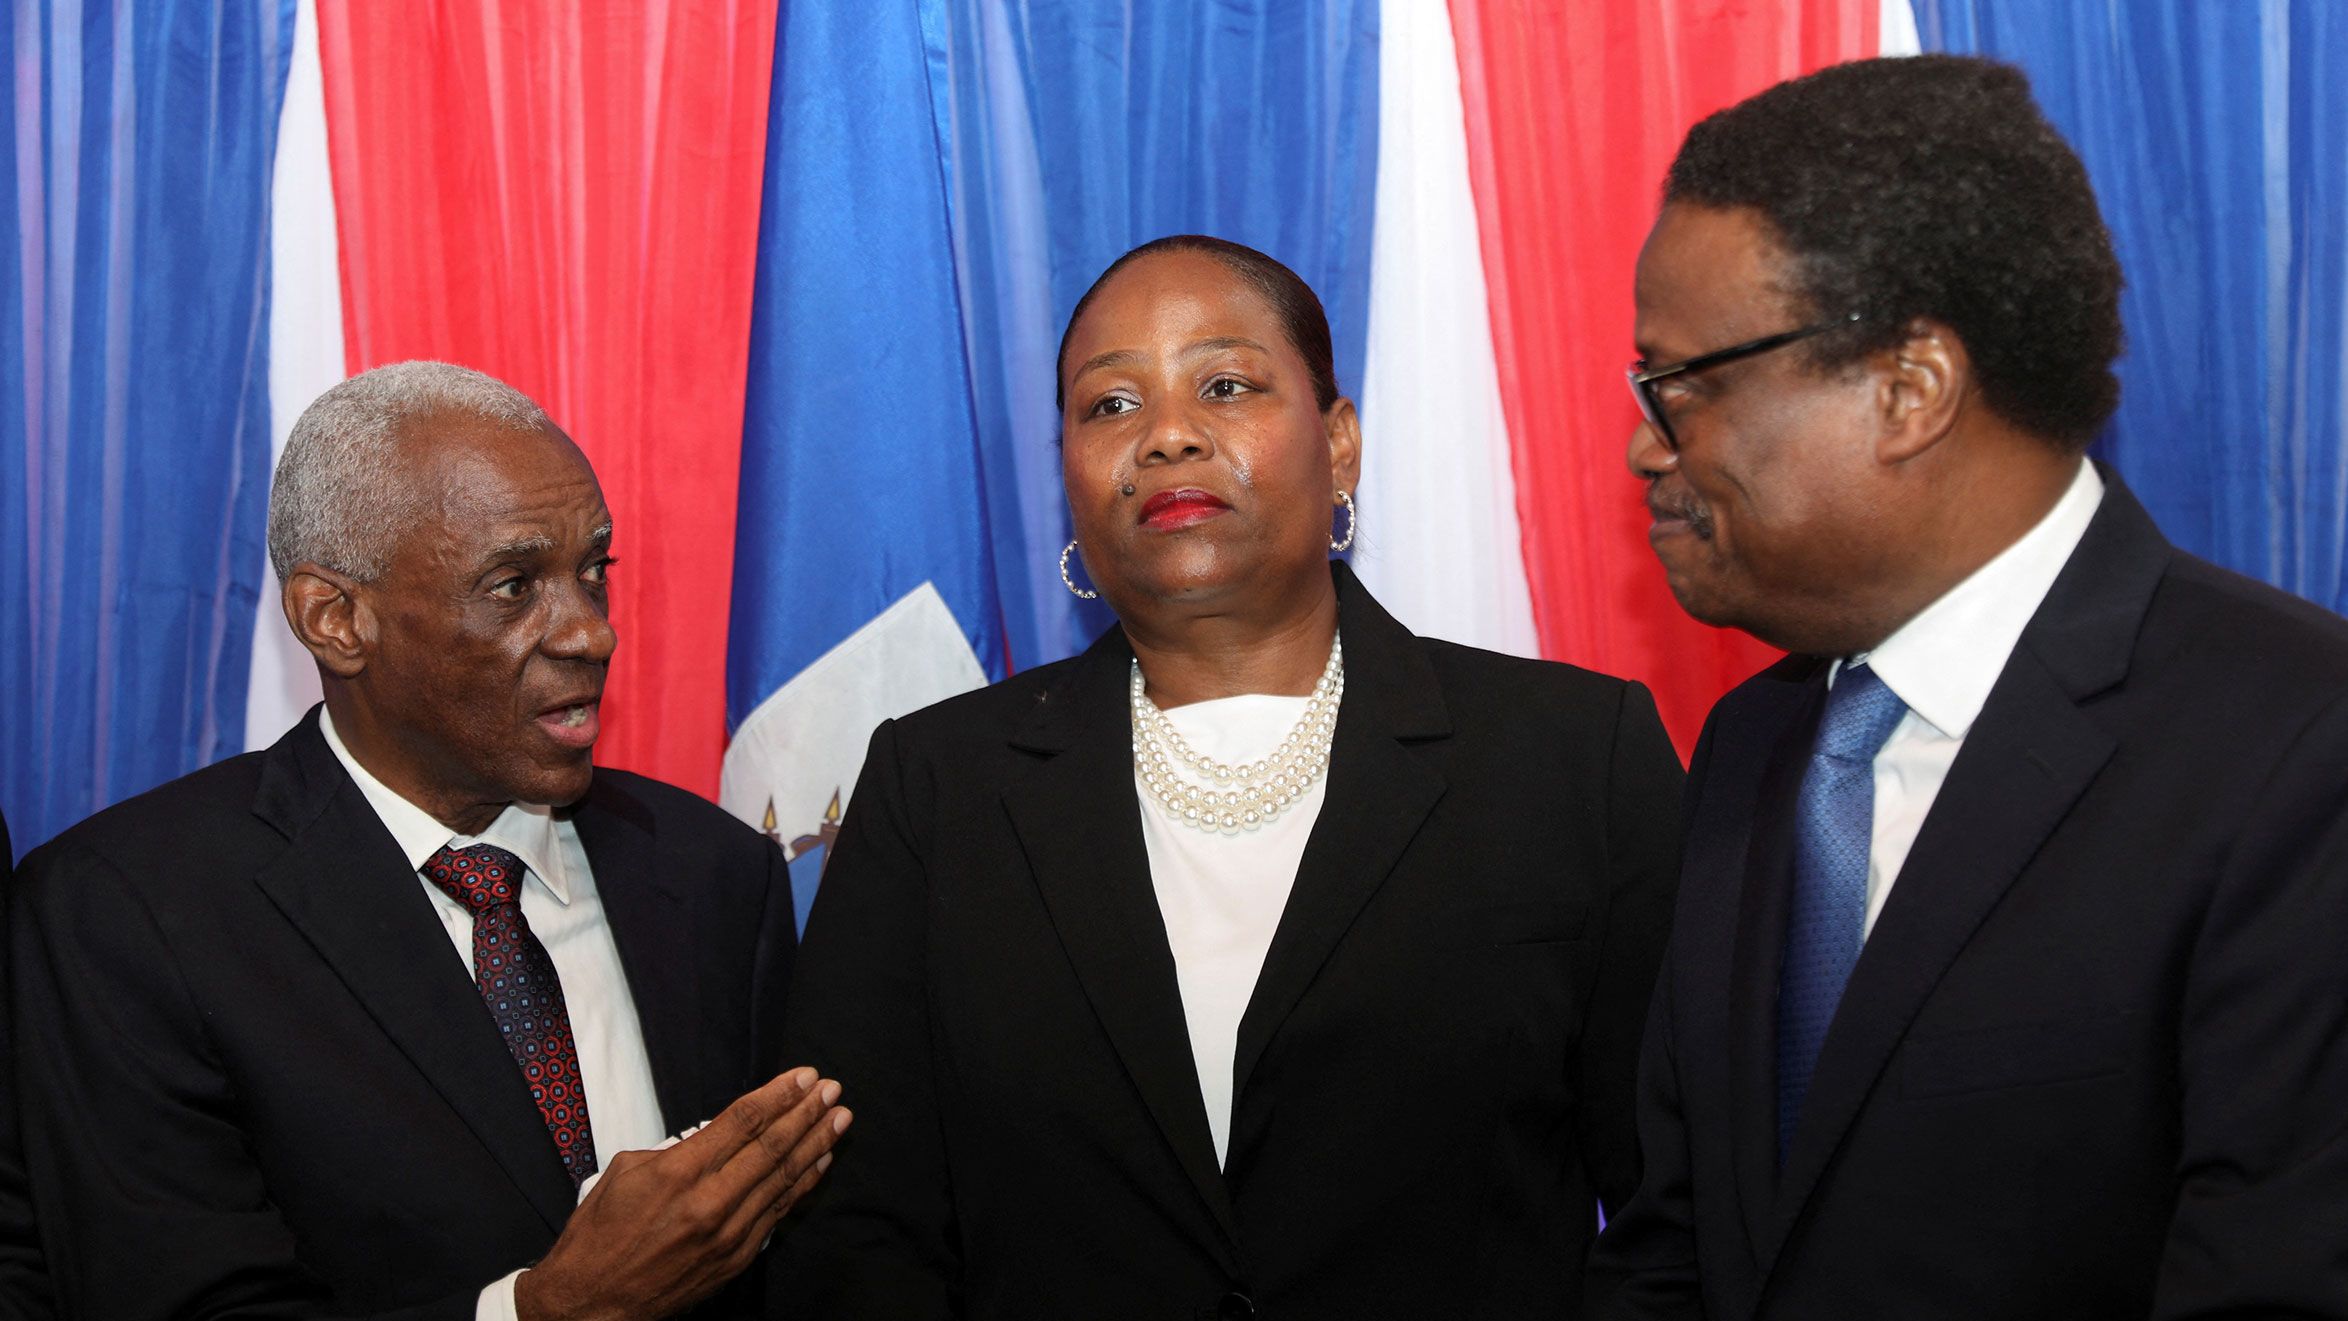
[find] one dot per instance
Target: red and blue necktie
(518, 983)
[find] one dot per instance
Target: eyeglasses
(1643, 377)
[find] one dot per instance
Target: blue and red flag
(793, 274)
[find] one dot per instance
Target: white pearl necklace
(1211, 795)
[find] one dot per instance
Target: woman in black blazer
(1347, 1032)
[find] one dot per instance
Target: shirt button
(1235, 1306)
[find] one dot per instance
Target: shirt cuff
(497, 1301)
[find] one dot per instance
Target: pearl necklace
(1211, 795)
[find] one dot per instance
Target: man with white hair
(386, 1020)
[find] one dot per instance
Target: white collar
(526, 830)
(1943, 662)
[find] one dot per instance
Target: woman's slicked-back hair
(1292, 300)
(1931, 186)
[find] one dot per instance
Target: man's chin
(1702, 600)
(1716, 611)
(1695, 606)
(559, 785)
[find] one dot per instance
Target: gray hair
(339, 499)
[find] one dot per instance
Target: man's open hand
(662, 1230)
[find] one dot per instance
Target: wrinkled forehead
(477, 481)
(461, 450)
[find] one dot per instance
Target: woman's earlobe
(1343, 426)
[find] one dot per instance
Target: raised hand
(661, 1230)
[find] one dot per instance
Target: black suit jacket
(24, 1284)
(256, 1081)
(2093, 1061)
(1432, 1081)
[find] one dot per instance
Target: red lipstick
(1168, 510)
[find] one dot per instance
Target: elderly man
(345, 1027)
(2006, 977)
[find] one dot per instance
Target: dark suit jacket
(2093, 1061)
(1432, 1082)
(24, 1285)
(256, 1080)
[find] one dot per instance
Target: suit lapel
(1784, 728)
(2025, 762)
(343, 883)
(650, 924)
(1078, 818)
(1379, 793)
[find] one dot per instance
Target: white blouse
(1222, 895)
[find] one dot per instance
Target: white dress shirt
(1942, 664)
(1222, 895)
(560, 903)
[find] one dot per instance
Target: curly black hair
(1292, 300)
(1931, 186)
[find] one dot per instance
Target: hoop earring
(1080, 593)
(1352, 522)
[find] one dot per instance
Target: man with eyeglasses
(2007, 978)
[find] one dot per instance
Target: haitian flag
(794, 274)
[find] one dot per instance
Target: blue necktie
(1836, 818)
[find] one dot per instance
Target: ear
(1923, 393)
(1343, 426)
(327, 616)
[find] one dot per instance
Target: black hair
(1931, 186)
(1292, 300)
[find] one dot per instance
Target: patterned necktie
(519, 985)
(1836, 818)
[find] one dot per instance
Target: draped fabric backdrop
(2217, 136)
(1573, 114)
(794, 276)
(566, 197)
(134, 413)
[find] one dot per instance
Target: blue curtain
(134, 425)
(860, 480)
(944, 180)
(2215, 137)
(1074, 131)
(1003, 152)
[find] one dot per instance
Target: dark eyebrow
(1119, 357)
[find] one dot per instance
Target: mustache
(1682, 506)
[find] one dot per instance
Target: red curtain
(566, 197)
(1573, 114)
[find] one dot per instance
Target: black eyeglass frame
(1643, 378)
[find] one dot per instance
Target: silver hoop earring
(1080, 593)
(1352, 521)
